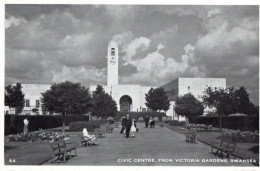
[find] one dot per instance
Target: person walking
(123, 125)
(128, 124)
(25, 128)
(146, 121)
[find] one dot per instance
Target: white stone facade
(32, 96)
(135, 92)
(195, 86)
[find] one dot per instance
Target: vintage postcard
(131, 85)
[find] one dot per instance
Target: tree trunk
(220, 122)
(187, 120)
(63, 124)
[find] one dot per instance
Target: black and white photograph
(131, 85)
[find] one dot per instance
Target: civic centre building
(129, 97)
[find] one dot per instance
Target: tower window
(113, 51)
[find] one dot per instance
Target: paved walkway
(158, 146)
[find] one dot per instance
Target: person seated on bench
(152, 123)
(92, 138)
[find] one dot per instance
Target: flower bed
(38, 136)
(240, 137)
(199, 126)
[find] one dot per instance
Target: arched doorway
(125, 103)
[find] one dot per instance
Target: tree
(228, 101)
(188, 106)
(67, 98)
(156, 99)
(243, 103)
(103, 104)
(14, 97)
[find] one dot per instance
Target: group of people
(128, 127)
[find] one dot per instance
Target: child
(133, 129)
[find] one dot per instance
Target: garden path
(161, 145)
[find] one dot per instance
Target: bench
(83, 140)
(224, 147)
(101, 132)
(109, 128)
(63, 149)
(191, 137)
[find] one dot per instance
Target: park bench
(110, 128)
(83, 140)
(224, 147)
(101, 132)
(191, 137)
(62, 149)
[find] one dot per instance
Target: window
(143, 109)
(37, 103)
(113, 51)
(27, 103)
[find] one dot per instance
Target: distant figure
(152, 123)
(92, 138)
(123, 125)
(128, 124)
(25, 128)
(133, 129)
(146, 121)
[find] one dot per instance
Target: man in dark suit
(123, 125)
(128, 124)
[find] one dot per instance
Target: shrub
(156, 118)
(137, 115)
(176, 123)
(140, 119)
(240, 137)
(80, 125)
(244, 123)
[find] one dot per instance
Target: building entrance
(125, 103)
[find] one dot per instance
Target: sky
(157, 44)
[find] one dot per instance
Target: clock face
(112, 61)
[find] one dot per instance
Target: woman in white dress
(133, 129)
(92, 138)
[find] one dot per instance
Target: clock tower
(112, 64)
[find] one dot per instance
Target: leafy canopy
(67, 97)
(156, 99)
(103, 104)
(188, 106)
(229, 101)
(14, 97)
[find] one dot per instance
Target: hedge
(14, 123)
(137, 115)
(80, 125)
(176, 123)
(242, 123)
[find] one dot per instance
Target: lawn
(29, 153)
(243, 150)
